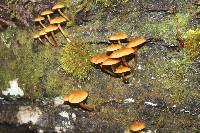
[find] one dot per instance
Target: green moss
(192, 39)
(75, 59)
(166, 29)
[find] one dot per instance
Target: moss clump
(192, 39)
(75, 59)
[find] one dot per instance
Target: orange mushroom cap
(76, 96)
(122, 69)
(57, 20)
(122, 52)
(99, 58)
(135, 42)
(51, 27)
(137, 126)
(118, 36)
(111, 61)
(113, 47)
(58, 6)
(46, 12)
(38, 18)
(42, 32)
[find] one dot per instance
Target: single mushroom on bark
(78, 97)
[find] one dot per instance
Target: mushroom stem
(125, 80)
(64, 33)
(41, 40)
(87, 107)
(53, 36)
(135, 59)
(62, 14)
(118, 41)
(48, 16)
(42, 24)
(106, 70)
(124, 62)
(49, 40)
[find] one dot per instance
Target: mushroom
(59, 20)
(37, 36)
(117, 37)
(136, 126)
(51, 28)
(78, 97)
(110, 62)
(97, 59)
(42, 32)
(47, 12)
(122, 70)
(39, 19)
(121, 53)
(58, 6)
(113, 47)
(134, 43)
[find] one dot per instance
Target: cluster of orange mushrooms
(118, 54)
(53, 24)
(79, 97)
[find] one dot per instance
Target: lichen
(75, 59)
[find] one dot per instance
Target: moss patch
(75, 59)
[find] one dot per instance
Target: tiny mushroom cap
(76, 96)
(122, 69)
(99, 58)
(118, 36)
(38, 18)
(58, 6)
(37, 35)
(51, 27)
(46, 12)
(57, 20)
(136, 42)
(42, 32)
(122, 52)
(111, 61)
(137, 126)
(113, 47)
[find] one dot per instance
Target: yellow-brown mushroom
(50, 28)
(43, 33)
(137, 126)
(39, 19)
(58, 21)
(117, 37)
(121, 53)
(122, 70)
(78, 97)
(58, 7)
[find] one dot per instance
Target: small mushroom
(121, 53)
(113, 47)
(59, 20)
(51, 28)
(47, 13)
(78, 97)
(42, 32)
(136, 42)
(39, 19)
(137, 126)
(122, 70)
(59, 6)
(97, 59)
(110, 62)
(37, 36)
(117, 37)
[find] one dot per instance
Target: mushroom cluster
(118, 54)
(53, 24)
